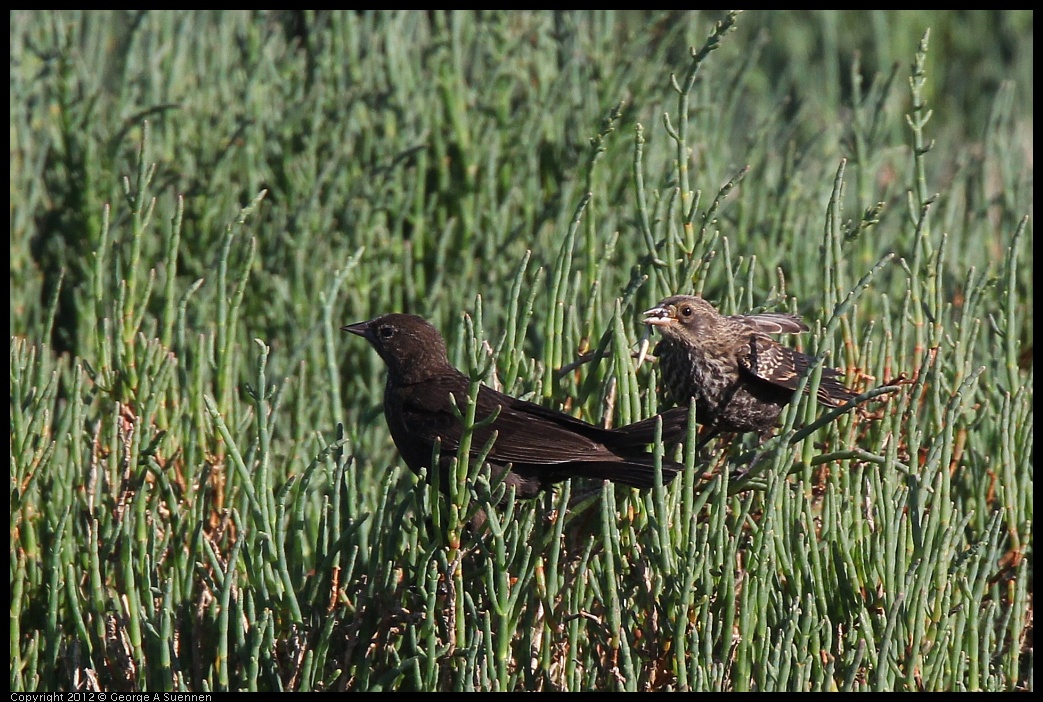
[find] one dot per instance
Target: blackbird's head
(686, 318)
(409, 345)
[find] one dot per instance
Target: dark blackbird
(542, 446)
(739, 377)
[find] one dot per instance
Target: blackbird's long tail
(640, 434)
(639, 473)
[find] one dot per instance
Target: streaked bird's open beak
(660, 316)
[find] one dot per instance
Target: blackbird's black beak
(360, 328)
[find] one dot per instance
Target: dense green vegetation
(205, 496)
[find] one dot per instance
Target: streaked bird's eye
(686, 311)
(386, 331)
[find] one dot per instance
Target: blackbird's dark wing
(553, 445)
(530, 433)
(629, 438)
(782, 367)
(524, 435)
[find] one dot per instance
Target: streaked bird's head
(682, 317)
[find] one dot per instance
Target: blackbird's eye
(386, 331)
(686, 311)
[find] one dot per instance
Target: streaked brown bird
(739, 376)
(541, 446)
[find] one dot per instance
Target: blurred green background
(204, 495)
